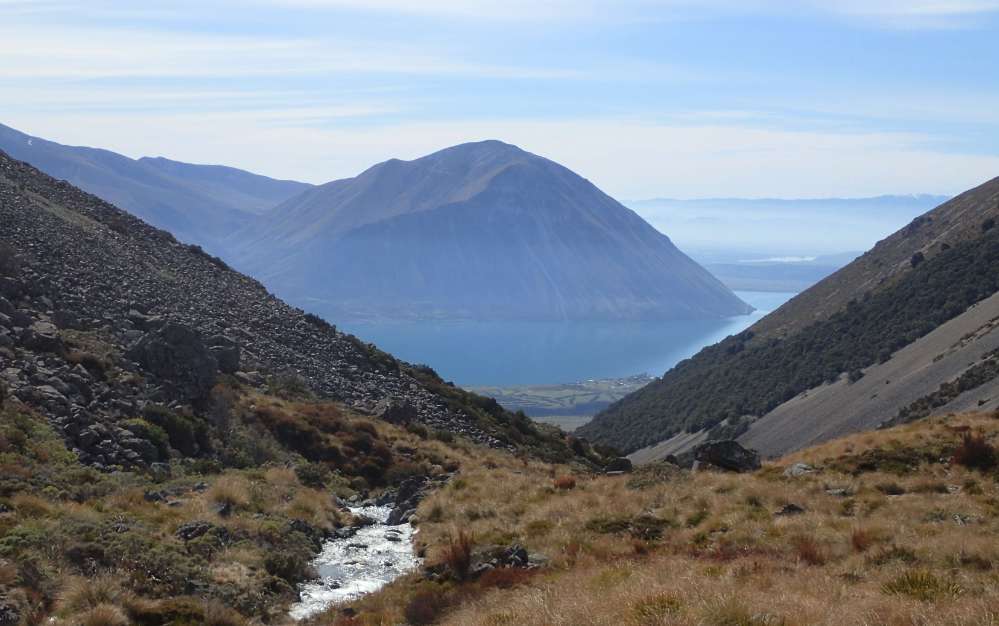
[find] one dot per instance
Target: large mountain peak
(478, 230)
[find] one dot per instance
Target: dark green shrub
(312, 475)
(188, 435)
(975, 452)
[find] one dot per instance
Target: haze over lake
(529, 353)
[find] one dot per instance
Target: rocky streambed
(353, 564)
(362, 559)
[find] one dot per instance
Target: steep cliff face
(482, 230)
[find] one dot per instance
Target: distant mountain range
(908, 329)
(197, 203)
(480, 230)
(784, 274)
(722, 227)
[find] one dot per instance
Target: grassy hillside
(750, 374)
(888, 527)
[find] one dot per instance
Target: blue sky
(646, 98)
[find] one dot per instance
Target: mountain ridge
(197, 203)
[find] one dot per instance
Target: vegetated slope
(908, 285)
(481, 230)
(889, 527)
(197, 203)
(94, 267)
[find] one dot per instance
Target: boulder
(727, 455)
(43, 337)
(396, 411)
(193, 530)
(10, 612)
(790, 509)
(176, 353)
(226, 352)
(798, 469)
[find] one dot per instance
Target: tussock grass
(720, 554)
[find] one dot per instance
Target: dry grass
(230, 490)
(723, 557)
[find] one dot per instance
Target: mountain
(479, 230)
(94, 272)
(157, 407)
(904, 331)
(197, 203)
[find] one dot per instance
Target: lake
(504, 353)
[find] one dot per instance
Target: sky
(646, 98)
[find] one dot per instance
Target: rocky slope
(481, 230)
(804, 373)
(197, 203)
(102, 315)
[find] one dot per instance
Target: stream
(352, 567)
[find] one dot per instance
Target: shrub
(319, 322)
(229, 491)
(312, 475)
(289, 564)
(103, 615)
(861, 539)
(458, 554)
(893, 553)
(83, 594)
(809, 550)
(187, 435)
(921, 585)
(565, 483)
(425, 607)
(975, 452)
(289, 386)
(891, 489)
(505, 577)
(694, 519)
(656, 609)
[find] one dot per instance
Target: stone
(193, 530)
(790, 509)
(42, 337)
(727, 455)
(10, 612)
(226, 352)
(396, 411)
(798, 469)
(176, 353)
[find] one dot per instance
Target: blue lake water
(533, 353)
